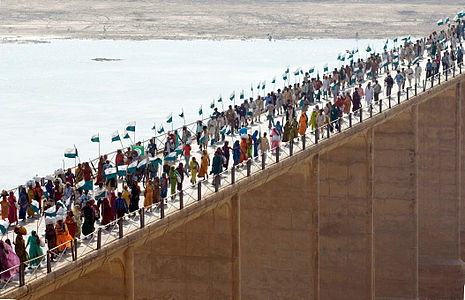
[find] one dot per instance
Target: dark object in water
(106, 59)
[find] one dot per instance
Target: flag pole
(122, 147)
(172, 128)
(99, 145)
(75, 150)
(183, 117)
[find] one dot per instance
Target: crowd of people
(71, 207)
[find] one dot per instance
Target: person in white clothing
(369, 94)
(417, 74)
(409, 73)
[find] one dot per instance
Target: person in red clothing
(107, 212)
(119, 160)
(69, 177)
(87, 172)
(243, 150)
(186, 150)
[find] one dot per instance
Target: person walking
(399, 79)
(389, 82)
(35, 251)
(369, 93)
(121, 206)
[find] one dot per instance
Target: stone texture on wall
(106, 283)
(193, 261)
(345, 221)
(438, 197)
(395, 207)
(277, 244)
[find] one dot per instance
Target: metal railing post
(460, 68)
(263, 160)
(233, 175)
(389, 99)
(216, 182)
(416, 88)
(317, 135)
(361, 115)
(328, 130)
(303, 142)
(350, 120)
(439, 78)
(407, 92)
(142, 216)
(99, 238)
(249, 167)
(75, 248)
(162, 208)
(380, 105)
(181, 199)
(432, 81)
(291, 147)
(199, 191)
(339, 129)
(398, 97)
(277, 154)
(120, 228)
(447, 71)
(371, 110)
(49, 263)
(453, 70)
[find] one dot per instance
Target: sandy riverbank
(182, 19)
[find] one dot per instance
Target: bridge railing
(110, 233)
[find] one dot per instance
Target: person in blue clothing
(334, 116)
(399, 79)
(236, 151)
(279, 128)
(121, 206)
(459, 55)
(256, 143)
(429, 68)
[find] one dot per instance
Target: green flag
(200, 111)
(233, 95)
(241, 96)
(131, 126)
(139, 149)
(115, 137)
(161, 130)
(95, 138)
(169, 118)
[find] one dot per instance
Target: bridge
(373, 212)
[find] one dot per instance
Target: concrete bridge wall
(372, 213)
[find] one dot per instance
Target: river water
(54, 95)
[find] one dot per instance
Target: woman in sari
(62, 236)
(71, 224)
(77, 218)
(23, 203)
(5, 204)
(148, 194)
(204, 163)
(9, 259)
(106, 211)
(13, 212)
(34, 249)
(236, 151)
(30, 197)
(244, 146)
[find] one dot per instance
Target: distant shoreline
(219, 20)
